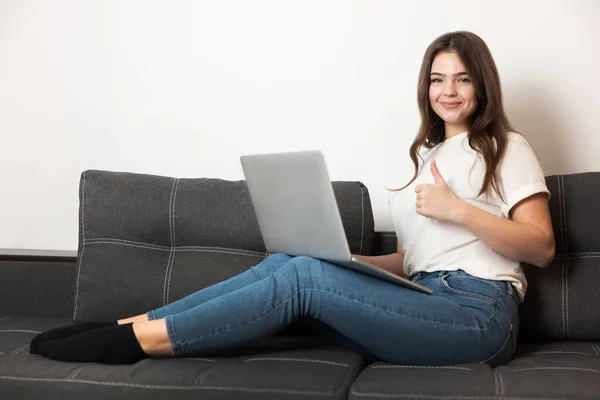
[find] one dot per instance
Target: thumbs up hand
(437, 200)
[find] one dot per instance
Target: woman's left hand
(437, 200)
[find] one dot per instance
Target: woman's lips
(450, 105)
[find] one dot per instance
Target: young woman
(476, 206)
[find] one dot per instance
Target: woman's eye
(435, 80)
(466, 80)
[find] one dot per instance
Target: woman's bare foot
(153, 337)
(137, 318)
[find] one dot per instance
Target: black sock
(66, 331)
(108, 345)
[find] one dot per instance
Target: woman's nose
(450, 89)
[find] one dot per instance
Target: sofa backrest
(148, 240)
(563, 299)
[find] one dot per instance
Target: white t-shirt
(430, 245)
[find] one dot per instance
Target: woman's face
(451, 92)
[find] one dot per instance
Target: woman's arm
(527, 236)
(390, 262)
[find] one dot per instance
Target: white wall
(183, 88)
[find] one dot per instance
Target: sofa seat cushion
(286, 365)
(553, 370)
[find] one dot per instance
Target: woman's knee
(269, 265)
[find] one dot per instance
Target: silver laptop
(297, 212)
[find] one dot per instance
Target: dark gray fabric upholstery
(36, 288)
(284, 366)
(551, 370)
(147, 240)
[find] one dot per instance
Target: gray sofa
(148, 240)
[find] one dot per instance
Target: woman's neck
(451, 130)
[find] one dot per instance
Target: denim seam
(501, 347)
(289, 298)
(82, 215)
(175, 345)
(467, 294)
(362, 228)
(472, 295)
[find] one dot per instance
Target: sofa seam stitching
(566, 260)
(362, 228)
(171, 242)
(174, 240)
(82, 245)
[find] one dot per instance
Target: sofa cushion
(285, 365)
(553, 370)
(147, 240)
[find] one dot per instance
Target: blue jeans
(467, 319)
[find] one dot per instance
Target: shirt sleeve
(520, 174)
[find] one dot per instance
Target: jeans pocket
(472, 287)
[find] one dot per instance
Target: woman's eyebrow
(457, 74)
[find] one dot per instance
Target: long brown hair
(488, 126)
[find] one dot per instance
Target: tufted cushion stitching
(74, 373)
(109, 240)
(172, 237)
(296, 359)
(449, 397)
(565, 260)
(18, 331)
(162, 387)
(362, 227)
(562, 272)
(82, 246)
(496, 383)
(173, 243)
(349, 375)
(422, 366)
(501, 381)
(200, 378)
(557, 369)
(535, 353)
(595, 347)
(578, 255)
(177, 249)
(200, 359)
(17, 351)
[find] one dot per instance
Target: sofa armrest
(36, 284)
